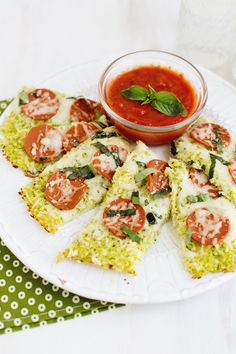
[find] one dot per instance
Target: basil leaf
(146, 202)
(151, 218)
(188, 237)
(102, 135)
(167, 103)
(102, 148)
(135, 198)
(202, 197)
(137, 93)
(213, 163)
(23, 98)
(71, 98)
(173, 148)
(143, 174)
(218, 141)
(76, 172)
(162, 192)
(43, 158)
(117, 159)
(124, 212)
(140, 163)
(132, 235)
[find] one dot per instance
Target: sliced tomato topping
(209, 133)
(232, 169)
(43, 143)
(208, 226)
(157, 181)
(106, 165)
(201, 180)
(43, 104)
(78, 133)
(64, 193)
(84, 109)
(133, 222)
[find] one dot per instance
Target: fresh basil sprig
(163, 101)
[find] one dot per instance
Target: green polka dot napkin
(28, 301)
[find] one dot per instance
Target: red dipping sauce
(161, 79)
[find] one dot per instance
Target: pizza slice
(211, 147)
(129, 219)
(77, 182)
(43, 124)
(205, 221)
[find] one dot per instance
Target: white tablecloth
(39, 38)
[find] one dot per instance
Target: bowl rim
(156, 129)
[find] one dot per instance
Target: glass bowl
(153, 135)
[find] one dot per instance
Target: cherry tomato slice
(43, 143)
(205, 133)
(43, 104)
(106, 165)
(133, 222)
(63, 193)
(157, 181)
(208, 226)
(78, 133)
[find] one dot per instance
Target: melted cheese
(52, 141)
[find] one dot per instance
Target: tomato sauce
(161, 79)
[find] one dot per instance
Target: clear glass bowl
(149, 134)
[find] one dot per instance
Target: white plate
(161, 276)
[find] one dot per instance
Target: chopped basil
(203, 167)
(213, 163)
(188, 237)
(143, 174)
(107, 152)
(146, 202)
(102, 125)
(151, 218)
(102, 148)
(122, 212)
(23, 98)
(197, 198)
(217, 141)
(102, 135)
(190, 162)
(76, 172)
(173, 148)
(43, 158)
(135, 198)
(162, 192)
(140, 163)
(76, 143)
(98, 114)
(71, 98)
(132, 234)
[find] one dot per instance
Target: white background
(39, 38)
